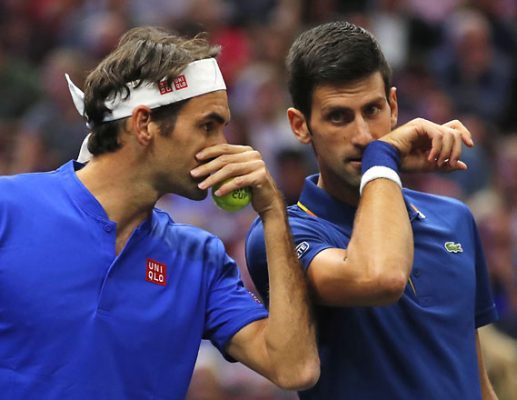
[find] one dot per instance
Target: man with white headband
(102, 296)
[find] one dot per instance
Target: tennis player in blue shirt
(104, 297)
(398, 276)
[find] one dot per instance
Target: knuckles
(224, 159)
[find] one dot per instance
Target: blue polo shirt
(423, 346)
(78, 321)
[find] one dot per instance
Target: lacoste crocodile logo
(452, 247)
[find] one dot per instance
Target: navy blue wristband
(379, 153)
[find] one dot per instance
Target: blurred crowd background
(451, 59)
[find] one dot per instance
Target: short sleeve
(256, 260)
(486, 312)
(309, 239)
(230, 306)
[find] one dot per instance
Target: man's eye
(209, 126)
(337, 117)
(373, 110)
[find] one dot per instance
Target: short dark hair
(143, 54)
(333, 53)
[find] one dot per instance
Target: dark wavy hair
(143, 54)
(334, 53)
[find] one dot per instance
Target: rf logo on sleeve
(301, 249)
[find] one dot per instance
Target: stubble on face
(341, 178)
(199, 125)
(344, 119)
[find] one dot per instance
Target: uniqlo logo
(180, 82)
(156, 272)
(164, 87)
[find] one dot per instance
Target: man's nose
(362, 134)
(219, 137)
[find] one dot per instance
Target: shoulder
(24, 186)
(20, 180)
(24, 200)
(446, 210)
(165, 223)
(298, 220)
(435, 202)
(189, 236)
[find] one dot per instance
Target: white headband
(199, 77)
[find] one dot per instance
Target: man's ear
(394, 108)
(142, 126)
(299, 125)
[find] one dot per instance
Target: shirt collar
(320, 203)
(79, 193)
(87, 201)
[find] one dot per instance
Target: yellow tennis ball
(233, 201)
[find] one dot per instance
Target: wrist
(379, 153)
(380, 160)
(275, 209)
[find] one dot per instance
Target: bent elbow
(301, 378)
(391, 288)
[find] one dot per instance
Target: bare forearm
(382, 242)
(281, 347)
(487, 391)
(290, 332)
